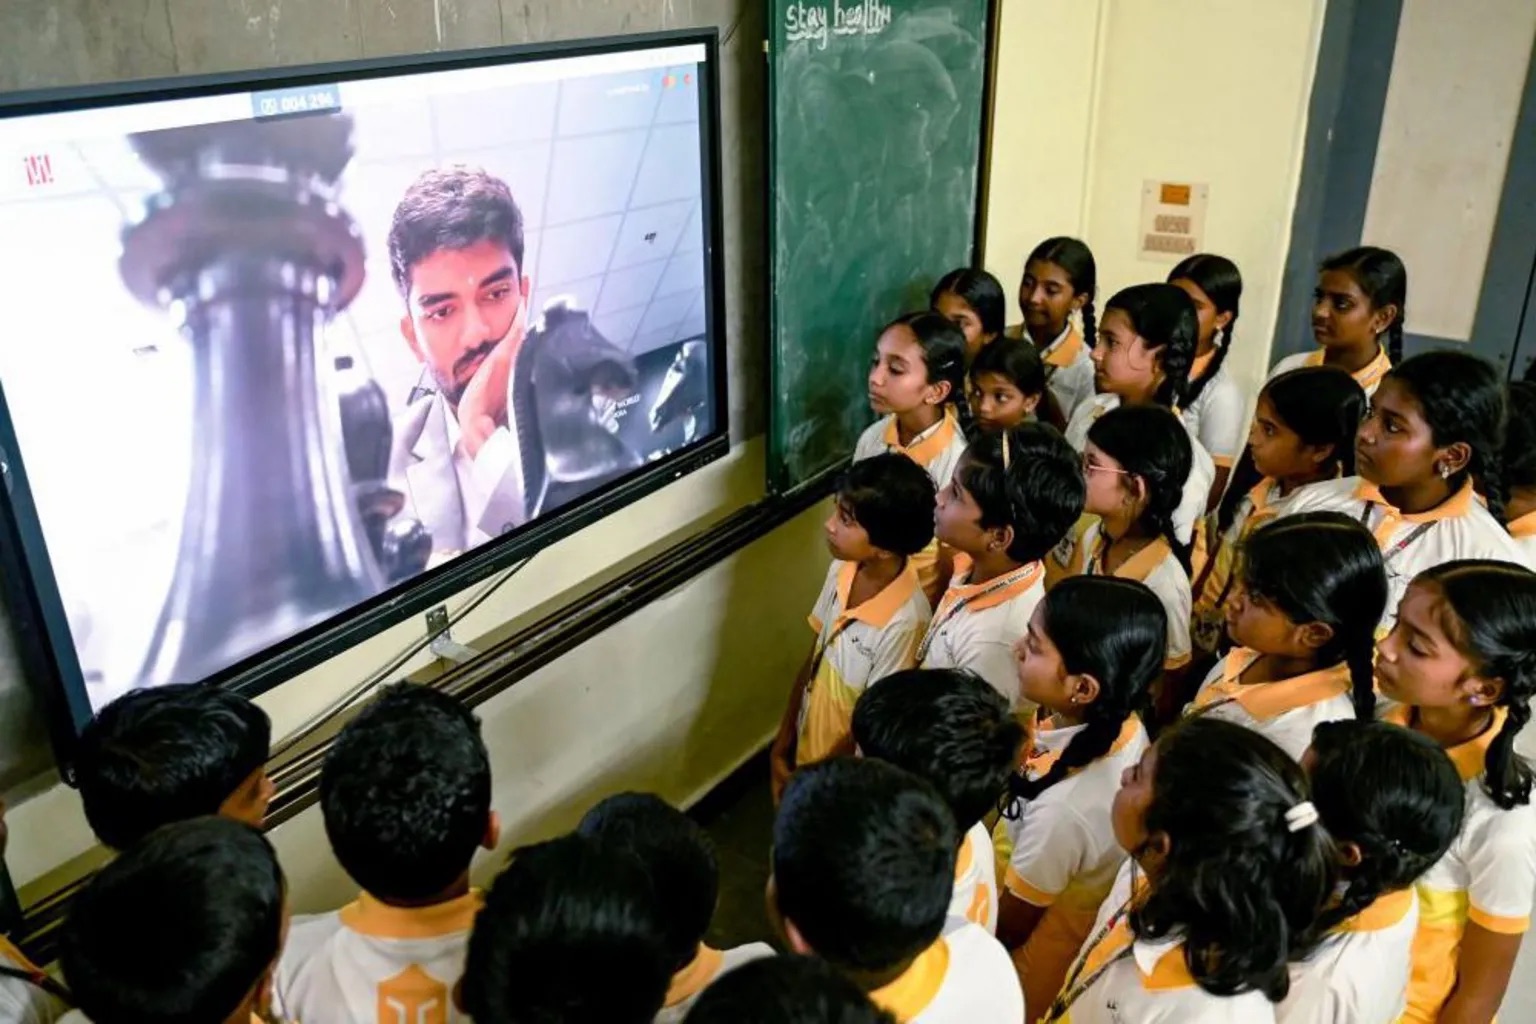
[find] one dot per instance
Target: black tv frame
(27, 581)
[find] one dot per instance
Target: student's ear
(1031, 402)
(492, 837)
(1223, 321)
(408, 332)
(1137, 488)
(1453, 458)
(525, 285)
(1350, 855)
(1078, 302)
(1318, 454)
(1083, 689)
(1383, 318)
(1482, 691)
(938, 393)
(1314, 636)
(797, 943)
(1002, 538)
(1153, 852)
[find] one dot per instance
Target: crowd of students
(1133, 699)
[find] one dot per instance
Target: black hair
(893, 499)
(559, 908)
(1149, 442)
(979, 290)
(1519, 462)
(1163, 316)
(164, 754)
(452, 208)
(211, 894)
(1495, 605)
(1037, 487)
(947, 726)
(1462, 398)
(406, 793)
(1384, 280)
(677, 856)
(785, 990)
(1324, 567)
(1125, 657)
(1394, 794)
(1322, 405)
(1016, 361)
(1219, 278)
(864, 862)
(1239, 887)
(944, 355)
(1073, 256)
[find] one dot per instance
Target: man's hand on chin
(483, 406)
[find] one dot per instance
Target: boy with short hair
(871, 613)
(406, 795)
(172, 753)
(1013, 497)
(183, 928)
(786, 990)
(952, 730)
(680, 860)
(863, 870)
(571, 931)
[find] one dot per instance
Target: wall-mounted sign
(1172, 220)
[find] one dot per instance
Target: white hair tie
(1303, 815)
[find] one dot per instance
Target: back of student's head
(1116, 632)
(1154, 450)
(1462, 399)
(1520, 436)
(863, 862)
(1323, 406)
(1495, 629)
(1029, 479)
(1383, 279)
(944, 353)
(167, 754)
(406, 793)
(946, 726)
(183, 928)
(677, 856)
(786, 990)
(1074, 257)
(1245, 874)
(1324, 567)
(1222, 284)
(978, 290)
(561, 910)
(1390, 793)
(1163, 316)
(892, 498)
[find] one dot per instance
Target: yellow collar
(1523, 527)
(1138, 567)
(1050, 743)
(1369, 375)
(1470, 758)
(1064, 350)
(1457, 505)
(368, 916)
(1387, 910)
(881, 608)
(979, 596)
(910, 994)
(928, 445)
(691, 980)
(1270, 700)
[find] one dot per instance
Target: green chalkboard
(876, 110)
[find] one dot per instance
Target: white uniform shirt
(937, 449)
(975, 897)
(24, 1003)
(1218, 418)
(1154, 565)
(976, 626)
(1360, 974)
(1285, 711)
(1369, 377)
(707, 968)
(964, 978)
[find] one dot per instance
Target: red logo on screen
(39, 170)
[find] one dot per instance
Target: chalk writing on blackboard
(817, 23)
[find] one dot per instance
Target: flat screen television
(293, 355)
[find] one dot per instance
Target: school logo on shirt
(413, 997)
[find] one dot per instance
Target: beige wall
(1096, 97)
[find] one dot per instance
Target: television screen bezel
(45, 642)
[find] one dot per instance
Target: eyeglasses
(1090, 467)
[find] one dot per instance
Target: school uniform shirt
(350, 965)
(854, 648)
(1218, 417)
(976, 626)
(1368, 377)
(1359, 974)
(1126, 980)
(1202, 471)
(707, 968)
(25, 1002)
(1488, 877)
(1523, 530)
(938, 450)
(975, 897)
(1154, 565)
(1285, 710)
(1068, 367)
(1063, 855)
(963, 978)
(1410, 543)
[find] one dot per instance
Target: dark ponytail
(1125, 660)
(944, 354)
(979, 290)
(1463, 399)
(1520, 436)
(1495, 603)
(1322, 405)
(1219, 279)
(1238, 885)
(1324, 567)
(1384, 280)
(1149, 442)
(1164, 317)
(1394, 794)
(1073, 256)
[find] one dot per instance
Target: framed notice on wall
(1172, 220)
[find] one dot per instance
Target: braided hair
(1073, 256)
(1520, 436)
(1125, 660)
(1163, 316)
(1463, 399)
(1380, 274)
(1151, 444)
(1391, 792)
(1219, 279)
(1495, 607)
